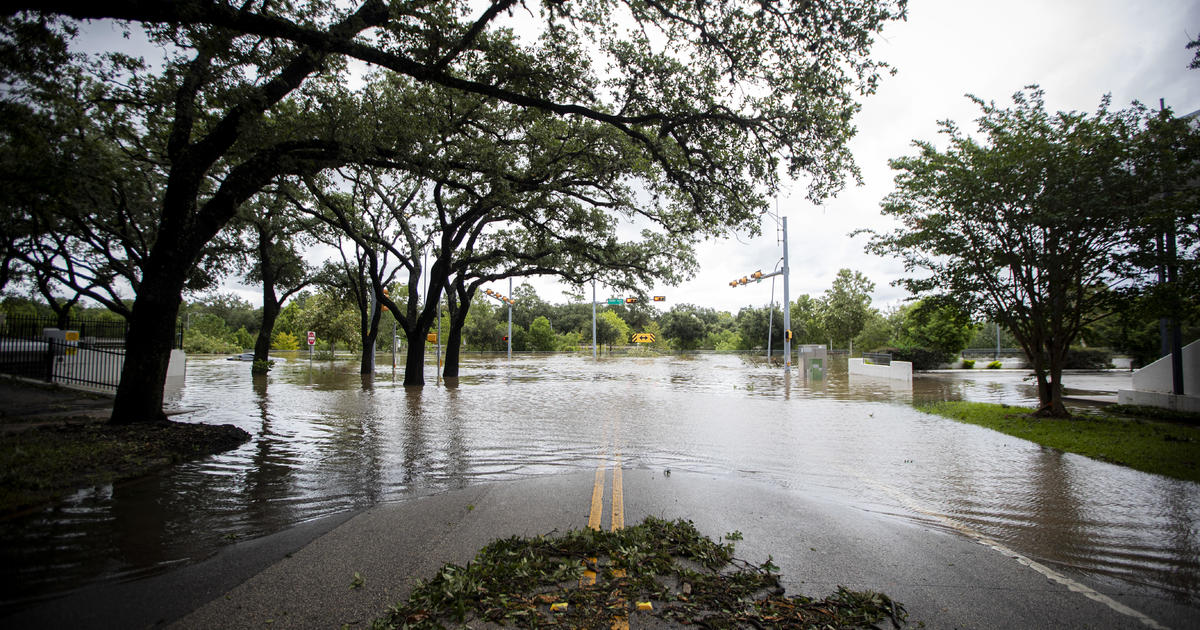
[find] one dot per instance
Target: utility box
(813, 360)
(63, 341)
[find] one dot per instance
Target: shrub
(968, 363)
(243, 338)
(197, 342)
(1088, 359)
(262, 366)
(994, 365)
(285, 341)
(921, 358)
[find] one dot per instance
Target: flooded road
(326, 440)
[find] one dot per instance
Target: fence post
(49, 364)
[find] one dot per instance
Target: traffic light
(743, 281)
(733, 284)
(787, 334)
(631, 300)
(504, 338)
(660, 298)
(757, 275)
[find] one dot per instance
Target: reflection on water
(326, 440)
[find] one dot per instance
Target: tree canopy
(1028, 224)
(712, 101)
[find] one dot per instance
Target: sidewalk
(301, 578)
(23, 401)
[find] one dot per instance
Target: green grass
(1149, 445)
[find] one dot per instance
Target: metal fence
(91, 367)
(94, 360)
(987, 352)
(877, 358)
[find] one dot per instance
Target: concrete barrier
(1152, 384)
(898, 370)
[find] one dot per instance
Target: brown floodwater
(326, 441)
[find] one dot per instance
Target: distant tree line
(842, 317)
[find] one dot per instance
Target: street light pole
(787, 305)
(770, 320)
(510, 319)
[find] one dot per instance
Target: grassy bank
(1149, 445)
(41, 463)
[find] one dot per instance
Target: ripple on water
(326, 441)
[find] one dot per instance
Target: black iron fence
(987, 352)
(93, 358)
(90, 367)
(877, 358)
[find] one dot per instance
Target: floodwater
(326, 440)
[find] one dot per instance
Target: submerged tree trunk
(270, 310)
(262, 345)
(453, 346)
(458, 317)
(414, 359)
(367, 364)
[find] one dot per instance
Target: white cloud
(1077, 50)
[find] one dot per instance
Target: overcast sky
(1076, 50)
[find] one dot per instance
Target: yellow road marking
(594, 515)
(597, 498)
(618, 522)
(618, 500)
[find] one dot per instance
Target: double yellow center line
(595, 517)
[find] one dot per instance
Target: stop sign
(312, 337)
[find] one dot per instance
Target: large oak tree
(714, 95)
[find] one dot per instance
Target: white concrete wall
(178, 365)
(898, 370)
(1156, 377)
(1159, 399)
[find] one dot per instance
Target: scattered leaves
(689, 578)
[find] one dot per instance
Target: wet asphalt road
(300, 578)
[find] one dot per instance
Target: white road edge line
(1071, 585)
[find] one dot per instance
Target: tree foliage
(1027, 224)
(846, 306)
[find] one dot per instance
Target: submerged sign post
(312, 341)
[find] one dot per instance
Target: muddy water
(327, 440)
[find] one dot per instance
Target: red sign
(312, 337)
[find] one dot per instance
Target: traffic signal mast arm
(756, 276)
(495, 294)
